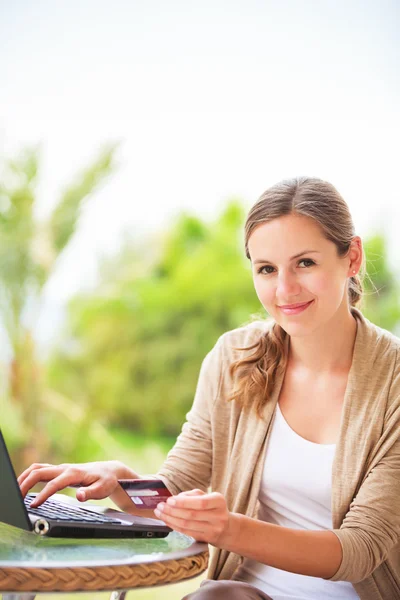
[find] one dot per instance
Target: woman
(294, 425)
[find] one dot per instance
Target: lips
(289, 306)
(295, 309)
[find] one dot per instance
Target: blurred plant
(133, 346)
(382, 290)
(29, 250)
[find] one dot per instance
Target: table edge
(102, 578)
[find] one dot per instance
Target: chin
(297, 329)
(299, 332)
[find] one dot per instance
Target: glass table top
(19, 548)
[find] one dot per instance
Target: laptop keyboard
(51, 509)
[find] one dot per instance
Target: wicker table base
(30, 564)
(102, 578)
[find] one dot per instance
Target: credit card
(145, 493)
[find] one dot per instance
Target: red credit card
(145, 493)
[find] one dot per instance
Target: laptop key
(61, 512)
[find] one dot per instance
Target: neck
(328, 349)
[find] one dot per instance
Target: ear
(355, 256)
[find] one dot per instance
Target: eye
(309, 262)
(261, 270)
(268, 269)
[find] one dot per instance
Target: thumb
(81, 495)
(195, 492)
(96, 491)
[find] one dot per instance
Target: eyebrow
(261, 260)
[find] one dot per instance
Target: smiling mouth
(292, 306)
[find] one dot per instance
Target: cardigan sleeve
(371, 527)
(188, 464)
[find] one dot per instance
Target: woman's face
(294, 264)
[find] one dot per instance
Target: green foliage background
(123, 375)
(129, 356)
(136, 343)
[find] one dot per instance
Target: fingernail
(157, 512)
(171, 501)
(81, 495)
(161, 506)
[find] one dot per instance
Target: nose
(287, 286)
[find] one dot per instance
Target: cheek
(321, 284)
(326, 284)
(318, 284)
(264, 290)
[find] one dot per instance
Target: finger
(180, 513)
(192, 493)
(39, 476)
(97, 490)
(197, 502)
(183, 524)
(29, 470)
(55, 485)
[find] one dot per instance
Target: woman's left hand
(205, 517)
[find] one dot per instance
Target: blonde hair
(320, 201)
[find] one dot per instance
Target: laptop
(65, 519)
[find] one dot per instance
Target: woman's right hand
(95, 480)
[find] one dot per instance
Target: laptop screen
(12, 509)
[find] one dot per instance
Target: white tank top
(295, 492)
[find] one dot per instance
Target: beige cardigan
(224, 446)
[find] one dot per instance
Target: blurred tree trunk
(28, 253)
(26, 385)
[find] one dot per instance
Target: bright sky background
(209, 99)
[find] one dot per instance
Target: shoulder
(378, 360)
(230, 347)
(376, 341)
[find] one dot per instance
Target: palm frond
(26, 163)
(17, 197)
(65, 216)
